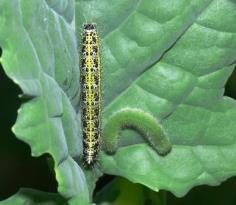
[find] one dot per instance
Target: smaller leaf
(72, 182)
(33, 197)
(115, 193)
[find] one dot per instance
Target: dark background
(19, 169)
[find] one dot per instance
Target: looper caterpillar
(141, 121)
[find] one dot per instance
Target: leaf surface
(40, 55)
(171, 59)
(32, 197)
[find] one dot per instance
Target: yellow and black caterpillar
(90, 79)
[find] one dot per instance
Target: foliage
(168, 58)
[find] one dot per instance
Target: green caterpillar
(141, 121)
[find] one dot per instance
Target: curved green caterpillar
(141, 121)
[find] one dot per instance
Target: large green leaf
(172, 59)
(40, 55)
(169, 58)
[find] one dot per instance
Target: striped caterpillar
(90, 79)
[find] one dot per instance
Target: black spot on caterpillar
(141, 121)
(90, 79)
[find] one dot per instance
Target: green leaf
(40, 55)
(170, 59)
(32, 197)
(222, 194)
(63, 7)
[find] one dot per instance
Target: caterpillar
(141, 121)
(90, 81)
